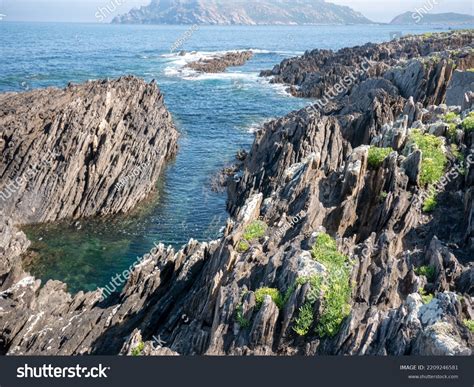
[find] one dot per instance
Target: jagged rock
(93, 149)
(220, 63)
(201, 299)
(461, 83)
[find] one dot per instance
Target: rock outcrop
(89, 150)
(425, 63)
(220, 63)
(242, 12)
(328, 251)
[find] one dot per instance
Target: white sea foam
(177, 64)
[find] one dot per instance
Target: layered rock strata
(315, 172)
(88, 150)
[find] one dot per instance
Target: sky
(86, 10)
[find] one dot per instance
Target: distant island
(433, 18)
(242, 12)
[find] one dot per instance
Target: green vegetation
(275, 295)
(425, 297)
(335, 286)
(377, 156)
(469, 324)
(471, 70)
(430, 202)
(452, 132)
(450, 117)
(428, 271)
(255, 231)
(239, 317)
(304, 320)
(383, 196)
(434, 159)
(137, 351)
(243, 247)
(468, 123)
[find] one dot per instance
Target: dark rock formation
(220, 63)
(325, 74)
(243, 12)
(93, 149)
(307, 173)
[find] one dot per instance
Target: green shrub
(450, 117)
(137, 351)
(425, 297)
(304, 320)
(430, 202)
(469, 324)
(383, 196)
(428, 271)
(243, 246)
(452, 132)
(335, 286)
(434, 159)
(468, 123)
(255, 231)
(275, 295)
(239, 317)
(377, 156)
(336, 307)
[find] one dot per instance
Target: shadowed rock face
(312, 167)
(222, 62)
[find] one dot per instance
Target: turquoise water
(214, 113)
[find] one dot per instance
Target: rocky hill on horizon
(450, 18)
(242, 12)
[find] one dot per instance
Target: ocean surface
(216, 115)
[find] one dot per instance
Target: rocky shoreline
(336, 244)
(220, 63)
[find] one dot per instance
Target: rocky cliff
(325, 74)
(87, 150)
(351, 234)
(245, 12)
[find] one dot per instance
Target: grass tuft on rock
(274, 294)
(468, 123)
(427, 271)
(469, 324)
(305, 319)
(137, 351)
(434, 159)
(334, 290)
(430, 203)
(377, 156)
(255, 231)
